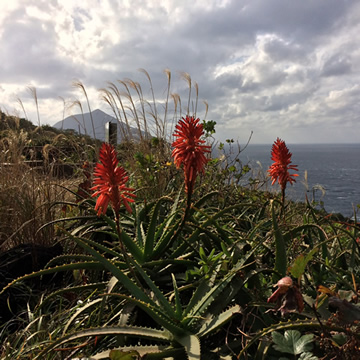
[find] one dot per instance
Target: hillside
(12, 122)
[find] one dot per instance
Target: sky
(270, 68)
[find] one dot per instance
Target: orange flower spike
(110, 180)
(189, 149)
(279, 170)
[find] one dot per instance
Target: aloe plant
(182, 326)
(187, 313)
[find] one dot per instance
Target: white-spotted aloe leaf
(66, 258)
(140, 214)
(100, 246)
(201, 290)
(202, 200)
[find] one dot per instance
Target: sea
(329, 174)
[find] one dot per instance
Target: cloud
(274, 67)
(338, 64)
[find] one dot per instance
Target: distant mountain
(80, 122)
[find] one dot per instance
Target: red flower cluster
(110, 180)
(279, 170)
(190, 150)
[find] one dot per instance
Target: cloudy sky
(279, 68)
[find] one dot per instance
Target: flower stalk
(280, 170)
(189, 151)
(110, 185)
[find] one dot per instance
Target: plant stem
(283, 201)
(183, 221)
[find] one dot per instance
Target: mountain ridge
(82, 123)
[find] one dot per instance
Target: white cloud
(263, 65)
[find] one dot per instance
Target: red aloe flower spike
(110, 180)
(190, 150)
(279, 170)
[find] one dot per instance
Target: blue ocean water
(334, 168)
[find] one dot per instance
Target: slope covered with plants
(165, 255)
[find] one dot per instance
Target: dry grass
(29, 187)
(25, 198)
(27, 195)
(133, 106)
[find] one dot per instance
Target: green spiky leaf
(138, 332)
(215, 322)
(126, 281)
(280, 246)
(192, 346)
(151, 231)
(178, 307)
